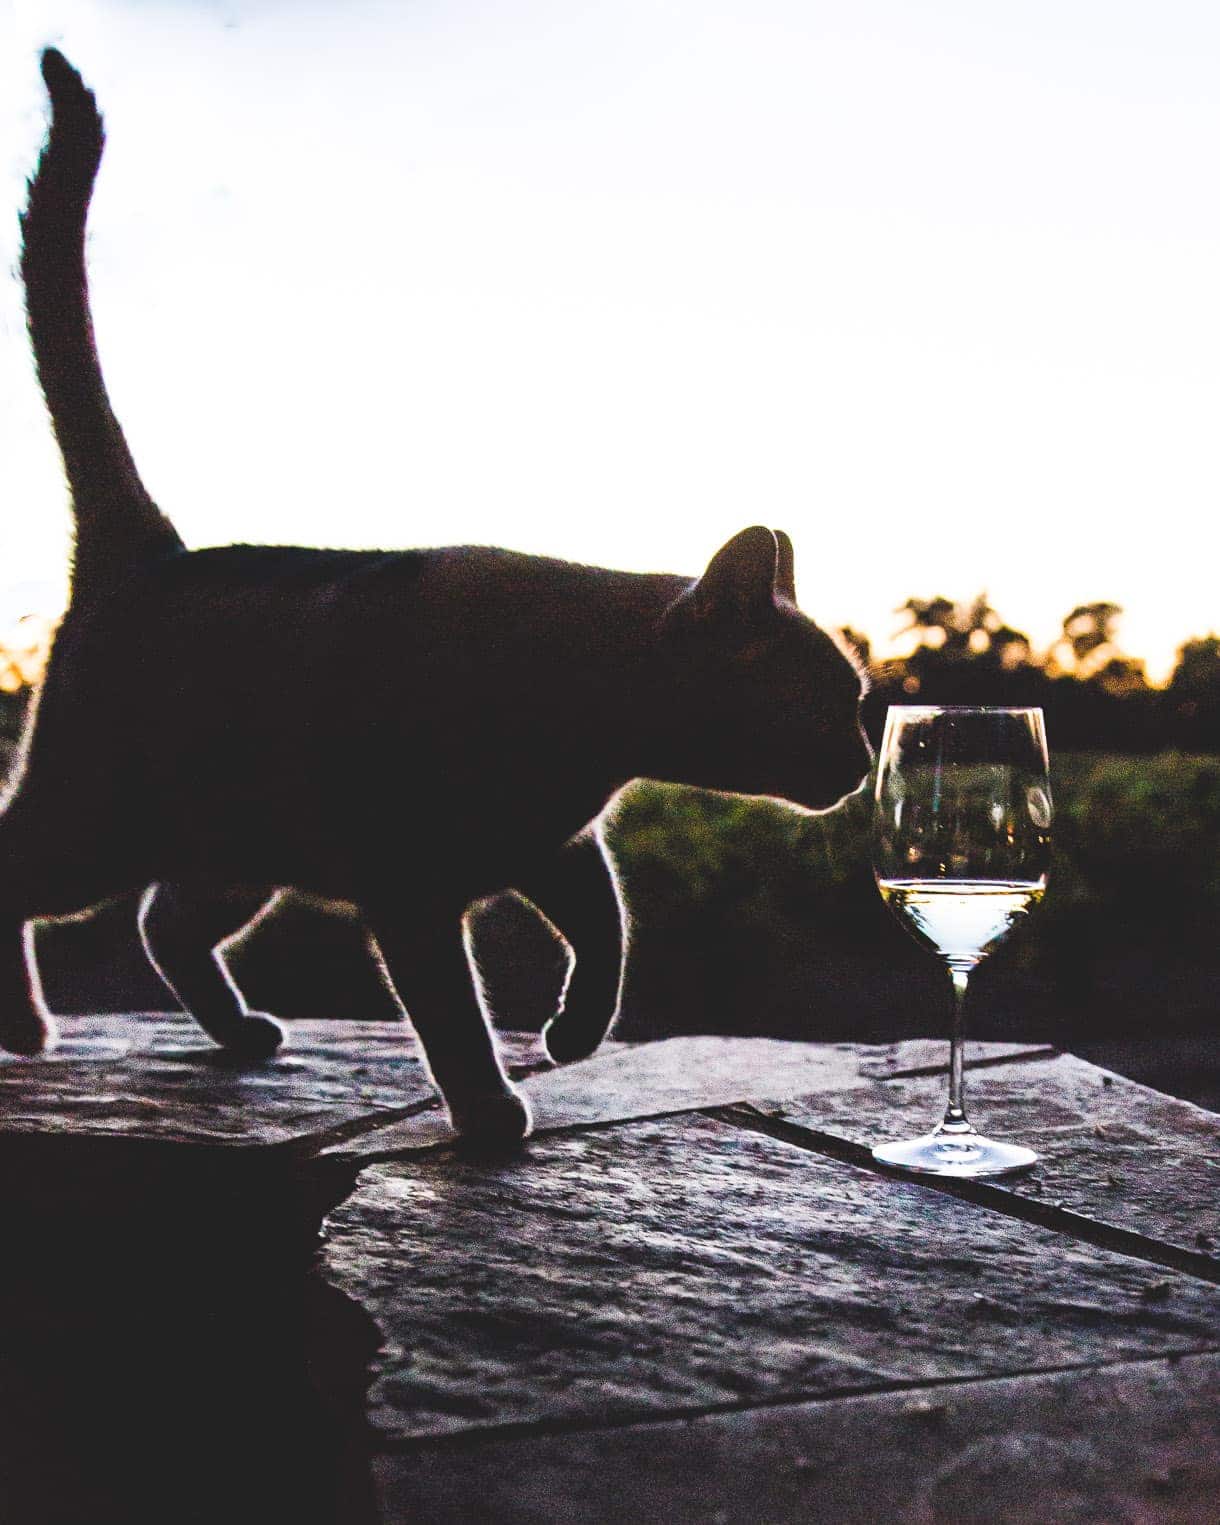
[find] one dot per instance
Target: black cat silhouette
(404, 731)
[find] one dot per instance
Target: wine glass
(961, 848)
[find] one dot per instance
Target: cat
(405, 732)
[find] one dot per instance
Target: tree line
(1096, 696)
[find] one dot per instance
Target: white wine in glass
(961, 850)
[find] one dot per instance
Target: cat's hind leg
(182, 929)
(36, 871)
(26, 1026)
(428, 962)
(577, 893)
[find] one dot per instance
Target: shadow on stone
(166, 1342)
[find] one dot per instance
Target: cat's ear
(741, 577)
(785, 568)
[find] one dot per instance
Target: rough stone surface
(1129, 1445)
(632, 1080)
(683, 1073)
(159, 1077)
(689, 1264)
(521, 1335)
(882, 1060)
(623, 1081)
(156, 1076)
(1110, 1150)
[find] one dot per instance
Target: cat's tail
(118, 526)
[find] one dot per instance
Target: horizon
(610, 286)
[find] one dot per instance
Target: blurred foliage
(745, 906)
(1095, 695)
(1136, 839)
(23, 656)
(714, 850)
(1140, 838)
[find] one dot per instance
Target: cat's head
(757, 699)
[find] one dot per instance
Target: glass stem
(955, 1112)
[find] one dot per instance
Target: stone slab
(1110, 1150)
(687, 1264)
(1135, 1443)
(155, 1076)
(158, 1077)
(624, 1081)
(882, 1060)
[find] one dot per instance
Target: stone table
(282, 1292)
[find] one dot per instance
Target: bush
(750, 918)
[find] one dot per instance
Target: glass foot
(955, 1154)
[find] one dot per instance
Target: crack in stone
(1024, 1056)
(1061, 1220)
(469, 1439)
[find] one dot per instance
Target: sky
(934, 287)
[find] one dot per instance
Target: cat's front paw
(255, 1037)
(565, 1041)
(493, 1123)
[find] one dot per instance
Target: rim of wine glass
(969, 709)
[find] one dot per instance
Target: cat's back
(262, 589)
(237, 636)
(254, 637)
(264, 605)
(264, 626)
(240, 608)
